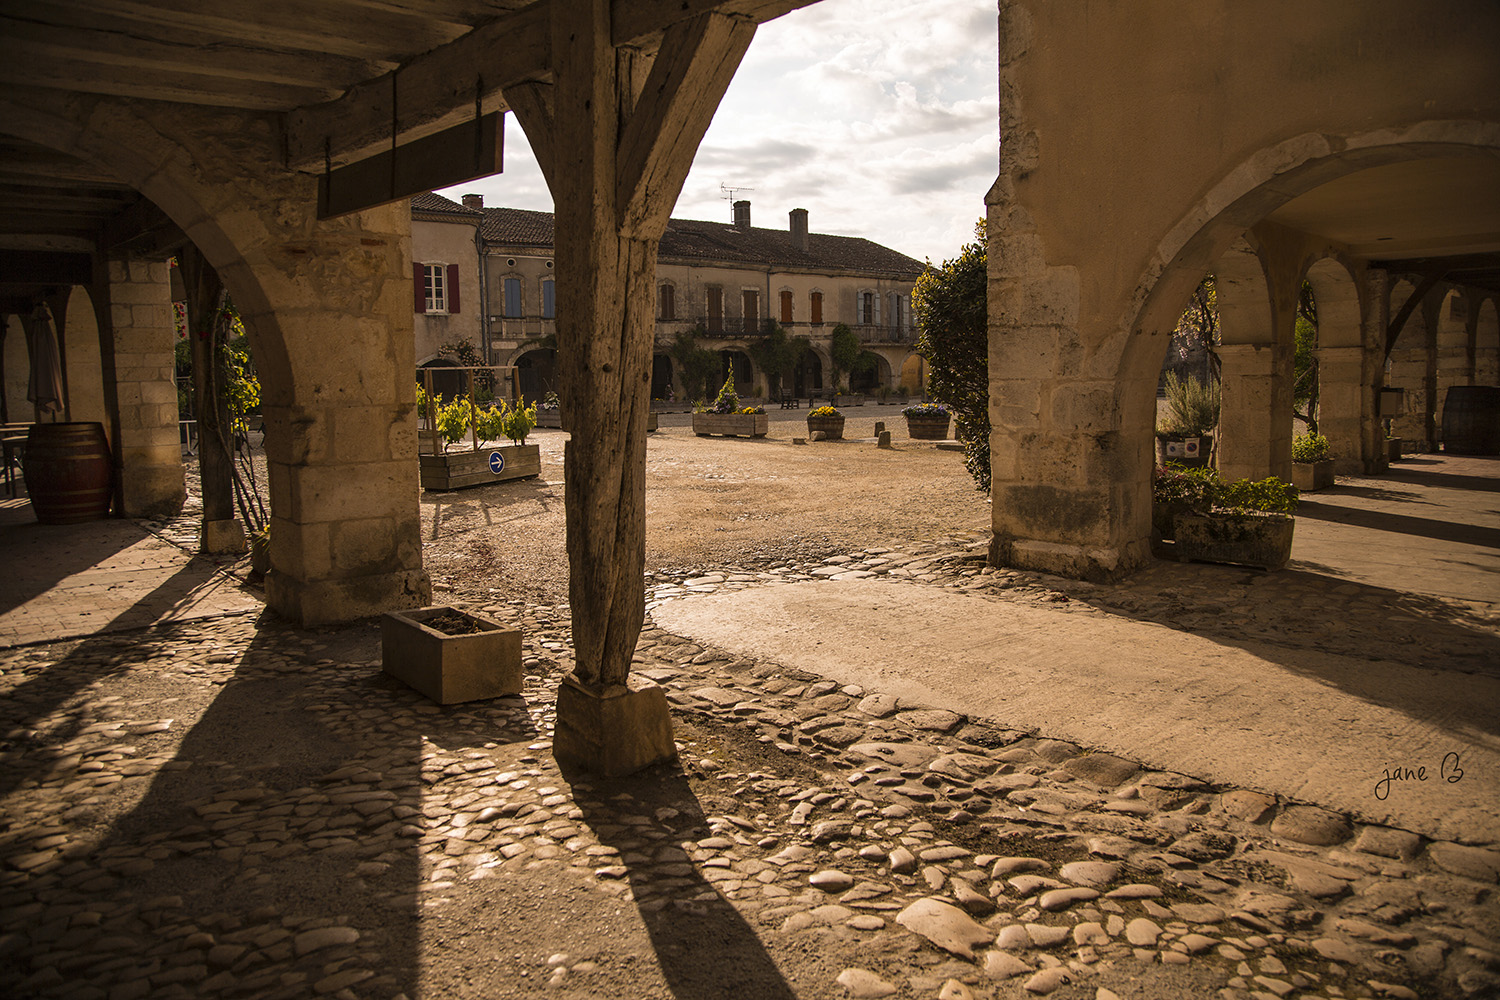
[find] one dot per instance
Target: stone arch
(1346, 401)
(807, 378)
(914, 373)
(1487, 343)
(1255, 369)
(446, 383)
(663, 377)
(537, 372)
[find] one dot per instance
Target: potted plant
(549, 411)
(1184, 437)
(1312, 462)
(480, 465)
(927, 421)
(828, 420)
(1249, 524)
(1176, 491)
(727, 417)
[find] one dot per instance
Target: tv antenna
(729, 193)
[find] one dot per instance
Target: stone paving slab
(60, 581)
(1304, 724)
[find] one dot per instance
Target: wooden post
(220, 531)
(620, 139)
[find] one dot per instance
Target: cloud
(878, 116)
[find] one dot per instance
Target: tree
(847, 356)
(778, 356)
(1305, 360)
(952, 313)
(700, 366)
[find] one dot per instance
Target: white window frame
(435, 278)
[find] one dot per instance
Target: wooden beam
(162, 84)
(693, 68)
(436, 89)
(532, 103)
(46, 268)
(459, 154)
(1399, 320)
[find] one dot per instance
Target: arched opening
(1487, 344)
(1451, 362)
(661, 375)
(914, 374)
(1342, 399)
(738, 363)
(447, 382)
(537, 370)
(1410, 367)
(808, 378)
(875, 375)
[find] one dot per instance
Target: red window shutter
(453, 288)
(419, 287)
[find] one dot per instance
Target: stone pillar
(1346, 404)
(141, 388)
(1453, 364)
(1255, 439)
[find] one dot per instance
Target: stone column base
(614, 731)
(220, 537)
(322, 601)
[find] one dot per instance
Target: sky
(877, 116)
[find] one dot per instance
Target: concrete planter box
(848, 399)
(485, 663)
(730, 424)
(1393, 449)
(927, 428)
(832, 427)
(457, 469)
(1164, 519)
(1310, 477)
(1262, 540)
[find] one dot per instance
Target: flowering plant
(824, 411)
(728, 401)
(926, 410)
(754, 409)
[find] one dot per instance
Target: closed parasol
(46, 386)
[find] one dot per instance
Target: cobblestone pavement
(233, 807)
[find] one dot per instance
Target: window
(867, 308)
(435, 288)
(715, 309)
(666, 301)
(786, 305)
(815, 302)
(512, 298)
(751, 300)
(549, 299)
(896, 311)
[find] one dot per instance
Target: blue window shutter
(513, 297)
(549, 299)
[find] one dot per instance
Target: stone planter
(1184, 450)
(928, 428)
(832, 427)
(730, 424)
(848, 399)
(1393, 449)
(457, 469)
(1164, 519)
(1310, 477)
(1262, 540)
(472, 666)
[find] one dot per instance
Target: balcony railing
(521, 328)
(736, 327)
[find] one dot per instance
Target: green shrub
(1201, 491)
(489, 422)
(1310, 448)
(516, 422)
(1192, 406)
(453, 421)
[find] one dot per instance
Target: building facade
(726, 284)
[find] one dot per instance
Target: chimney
(474, 201)
(799, 228)
(742, 215)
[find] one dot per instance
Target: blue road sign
(497, 462)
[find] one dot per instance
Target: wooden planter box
(451, 668)
(730, 424)
(832, 427)
(1263, 540)
(455, 470)
(549, 418)
(1309, 477)
(927, 428)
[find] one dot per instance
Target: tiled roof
(428, 202)
(694, 241)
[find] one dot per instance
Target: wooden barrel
(68, 472)
(1471, 420)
